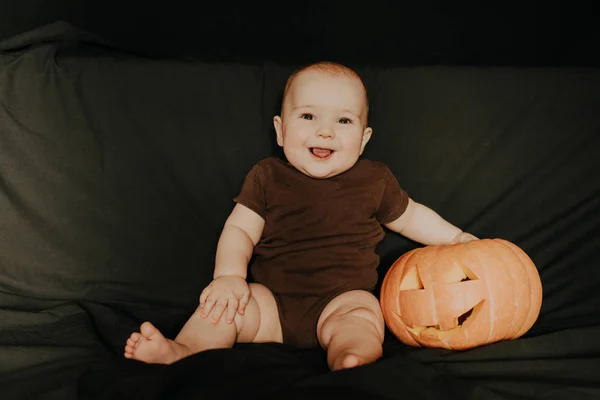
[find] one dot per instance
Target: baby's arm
(240, 234)
(423, 225)
(229, 290)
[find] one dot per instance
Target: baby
(313, 221)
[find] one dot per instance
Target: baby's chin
(319, 173)
(319, 170)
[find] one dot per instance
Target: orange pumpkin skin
(493, 281)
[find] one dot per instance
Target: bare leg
(259, 324)
(351, 329)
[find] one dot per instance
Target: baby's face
(323, 125)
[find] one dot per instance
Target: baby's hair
(332, 68)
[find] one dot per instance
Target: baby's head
(323, 123)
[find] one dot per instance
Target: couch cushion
(117, 172)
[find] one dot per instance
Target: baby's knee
(364, 315)
(260, 322)
(356, 311)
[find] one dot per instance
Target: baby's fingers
(204, 295)
(207, 307)
(243, 303)
(232, 307)
(207, 302)
(218, 310)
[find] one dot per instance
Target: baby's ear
(278, 130)
(365, 138)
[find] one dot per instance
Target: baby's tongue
(322, 153)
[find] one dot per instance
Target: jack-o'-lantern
(462, 295)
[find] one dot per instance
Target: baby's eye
(307, 116)
(345, 121)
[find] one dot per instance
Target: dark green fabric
(116, 170)
(117, 173)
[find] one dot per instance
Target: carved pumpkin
(462, 295)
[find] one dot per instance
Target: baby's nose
(325, 131)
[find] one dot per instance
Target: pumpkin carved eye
(461, 296)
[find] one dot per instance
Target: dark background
(423, 32)
(103, 142)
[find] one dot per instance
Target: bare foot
(343, 357)
(150, 346)
(348, 360)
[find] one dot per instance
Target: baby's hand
(463, 237)
(227, 292)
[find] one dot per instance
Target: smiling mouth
(321, 153)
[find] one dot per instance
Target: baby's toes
(132, 342)
(135, 336)
(129, 350)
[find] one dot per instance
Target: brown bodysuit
(319, 237)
